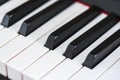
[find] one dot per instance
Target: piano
(59, 39)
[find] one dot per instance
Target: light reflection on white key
(21, 43)
(104, 65)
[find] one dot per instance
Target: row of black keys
(66, 31)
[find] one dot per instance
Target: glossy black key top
(103, 50)
(67, 30)
(3, 1)
(86, 39)
(16, 14)
(39, 19)
(3, 78)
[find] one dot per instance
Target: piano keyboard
(58, 40)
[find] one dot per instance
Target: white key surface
(1, 27)
(112, 73)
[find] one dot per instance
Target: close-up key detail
(59, 40)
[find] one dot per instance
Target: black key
(3, 1)
(39, 19)
(86, 39)
(3, 77)
(16, 14)
(63, 33)
(103, 50)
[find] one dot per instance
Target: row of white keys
(9, 34)
(10, 48)
(69, 67)
(112, 73)
(21, 43)
(92, 74)
(50, 61)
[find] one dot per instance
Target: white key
(26, 58)
(113, 73)
(8, 6)
(41, 68)
(104, 65)
(8, 34)
(1, 27)
(69, 67)
(21, 43)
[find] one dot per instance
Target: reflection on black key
(21, 11)
(103, 50)
(63, 33)
(86, 39)
(3, 1)
(39, 19)
(3, 78)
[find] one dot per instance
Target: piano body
(59, 40)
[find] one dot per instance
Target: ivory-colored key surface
(112, 73)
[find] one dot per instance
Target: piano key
(16, 14)
(29, 40)
(8, 36)
(3, 1)
(1, 27)
(39, 19)
(112, 73)
(11, 33)
(23, 60)
(7, 7)
(63, 33)
(49, 57)
(83, 41)
(3, 77)
(76, 63)
(102, 51)
(104, 65)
